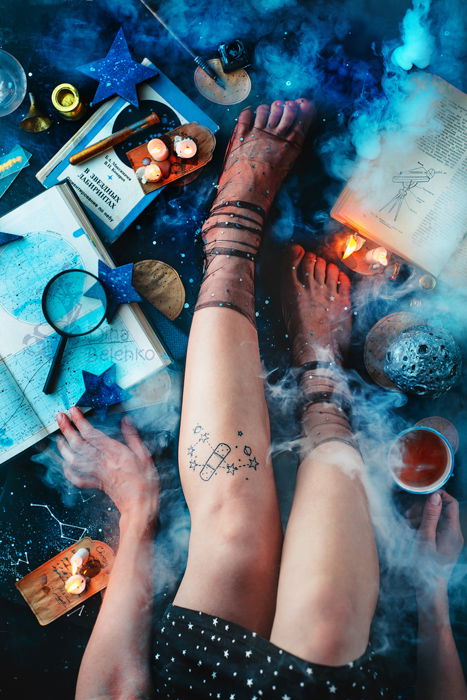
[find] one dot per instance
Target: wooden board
(237, 84)
(161, 285)
(44, 588)
(180, 167)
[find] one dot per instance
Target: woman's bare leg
(225, 469)
(329, 577)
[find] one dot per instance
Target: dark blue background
(50, 38)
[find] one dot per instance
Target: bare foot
(261, 153)
(315, 307)
(259, 157)
(274, 138)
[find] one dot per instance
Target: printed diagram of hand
(125, 472)
(440, 538)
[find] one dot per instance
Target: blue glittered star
(117, 73)
(101, 390)
(8, 238)
(118, 285)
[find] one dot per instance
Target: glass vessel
(12, 83)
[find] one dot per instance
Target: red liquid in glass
(424, 458)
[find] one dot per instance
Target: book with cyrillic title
(106, 185)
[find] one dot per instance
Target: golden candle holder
(67, 102)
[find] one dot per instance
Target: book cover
(106, 185)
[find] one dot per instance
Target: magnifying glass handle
(55, 366)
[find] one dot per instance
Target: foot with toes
(261, 153)
(315, 307)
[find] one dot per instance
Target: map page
(54, 240)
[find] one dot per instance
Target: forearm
(116, 660)
(439, 671)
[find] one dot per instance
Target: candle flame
(72, 586)
(351, 246)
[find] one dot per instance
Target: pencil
(105, 144)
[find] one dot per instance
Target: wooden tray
(44, 588)
(180, 167)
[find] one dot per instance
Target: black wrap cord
(241, 205)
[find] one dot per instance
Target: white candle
(78, 559)
(152, 172)
(377, 256)
(75, 584)
(184, 147)
(157, 149)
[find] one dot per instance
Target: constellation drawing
(78, 610)
(19, 560)
(71, 528)
(217, 458)
(408, 181)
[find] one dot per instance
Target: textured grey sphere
(423, 360)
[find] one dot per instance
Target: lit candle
(152, 173)
(158, 150)
(184, 147)
(78, 559)
(75, 584)
(353, 243)
(378, 256)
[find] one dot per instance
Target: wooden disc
(443, 426)
(237, 84)
(161, 285)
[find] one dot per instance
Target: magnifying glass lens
(75, 303)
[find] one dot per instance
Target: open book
(56, 235)
(412, 198)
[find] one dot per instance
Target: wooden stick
(105, 144)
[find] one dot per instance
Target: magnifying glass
(74, 303)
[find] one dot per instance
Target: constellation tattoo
(217, 458)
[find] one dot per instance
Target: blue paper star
(101, 390)
(8, 238)
(118, 285)
(117, 73)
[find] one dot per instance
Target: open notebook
(57, 236)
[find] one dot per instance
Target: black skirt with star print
(200, 656)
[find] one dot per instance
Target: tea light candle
(158, 150)
(152, 173)
(75, 584)
(78, 559)
(378, 256)
(185, 148)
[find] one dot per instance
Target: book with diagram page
(55, 236)
(106, 185)
(412, 198)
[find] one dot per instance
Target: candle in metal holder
(67, 102)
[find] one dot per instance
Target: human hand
(126, 473)
(439, 539)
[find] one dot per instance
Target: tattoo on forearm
(212, 458)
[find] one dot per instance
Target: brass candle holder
(67, 102)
